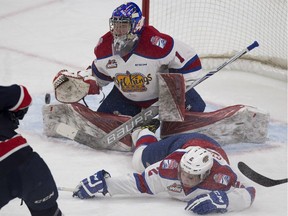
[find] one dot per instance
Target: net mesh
(218, 28)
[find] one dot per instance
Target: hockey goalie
(152, 74)
(74, 120)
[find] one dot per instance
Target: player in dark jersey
(23, 173)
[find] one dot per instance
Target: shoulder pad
(153, 44)
(169, 166)
(103, 48)
(220, 178)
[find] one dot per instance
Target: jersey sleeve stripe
(141, 183)
(23, 101)
(192, 65)
(100, 75)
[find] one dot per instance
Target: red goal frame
(145, 10)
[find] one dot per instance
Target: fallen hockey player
(191, 167)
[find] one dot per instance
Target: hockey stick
(149, 113)
(144, 116)
(65, 189)
(79, 136)
(258, 178)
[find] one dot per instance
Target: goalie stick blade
(87, 139)
(78, 136)
(258, 178)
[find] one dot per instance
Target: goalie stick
(258, 178)
(78, 136)
(144, 116)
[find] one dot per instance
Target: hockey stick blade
(258, 178)
(66, 189)
(78, 136)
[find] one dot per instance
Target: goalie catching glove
(72, 87)
(215, 201)
(92, 185)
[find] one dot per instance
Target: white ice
(38, 38)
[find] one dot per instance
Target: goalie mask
(125, 25)
(196, 162)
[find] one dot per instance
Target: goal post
(217, 28)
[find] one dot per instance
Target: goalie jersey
(162, 176)
(135, 75)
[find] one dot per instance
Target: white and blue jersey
(162, 159)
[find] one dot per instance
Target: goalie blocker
(234, 124)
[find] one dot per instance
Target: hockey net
(216, 29)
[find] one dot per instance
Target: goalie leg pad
(78, 117)
(234, 124)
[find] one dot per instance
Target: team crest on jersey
(132, 82)
(111, 64)
(221, 178)
(157, 41)
(175, 188)
(169, 164)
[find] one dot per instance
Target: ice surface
(38, 38)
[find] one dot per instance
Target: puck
(47, 98)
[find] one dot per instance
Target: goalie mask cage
(216, 29)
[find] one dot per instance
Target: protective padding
(171, 97)
(72, 90)
(82, 118)
(233, 124)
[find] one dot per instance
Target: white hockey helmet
(197, 161)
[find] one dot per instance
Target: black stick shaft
(258, 178)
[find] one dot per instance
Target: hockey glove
(215, 201)
(21, 113)
(72, 87)
(92, 185)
